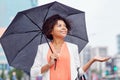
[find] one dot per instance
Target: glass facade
(118, 43)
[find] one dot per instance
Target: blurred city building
(118, 43)
(4, 67)
(117, 56)
(3, 60)
(113, 68)
(113, 65)
(100, 67)
(2, 30)
(116, 64)
(85, 56)
(34, 3)
(97, 70)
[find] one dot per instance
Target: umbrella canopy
(22, 37)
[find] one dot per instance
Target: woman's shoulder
(71, 44)
(47, 44)
(43, 45)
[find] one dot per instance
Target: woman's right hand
(50, 63)
(52, 59)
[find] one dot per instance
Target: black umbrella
(22, 37)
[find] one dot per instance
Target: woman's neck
(57, 42)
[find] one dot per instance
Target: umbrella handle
(55, 64)
(51, 51)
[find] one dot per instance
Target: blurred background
(103, 27)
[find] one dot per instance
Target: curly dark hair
(49, 25)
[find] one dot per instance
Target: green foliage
(19, 74)
(3, 75)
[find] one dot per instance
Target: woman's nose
(63, 27)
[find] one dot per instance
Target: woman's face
(59, 29)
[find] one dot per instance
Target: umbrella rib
(40, 28)
(46, 13)
(29, 42)
(48, 44)
(77, 37)
(31, 20)
(22, 32)
(29, 31)
(26, 32)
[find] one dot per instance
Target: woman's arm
(50, 64)
(46, 67)
(91, 61)
(87, 65)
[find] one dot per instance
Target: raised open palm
(101, 59)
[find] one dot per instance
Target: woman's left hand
(101, 59)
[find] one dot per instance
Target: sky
(102, 20)
(8, 9)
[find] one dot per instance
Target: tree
(3, 75)
(19, 74)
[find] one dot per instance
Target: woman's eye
(64, 25)
(59, 25)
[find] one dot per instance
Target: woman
(66, 54)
